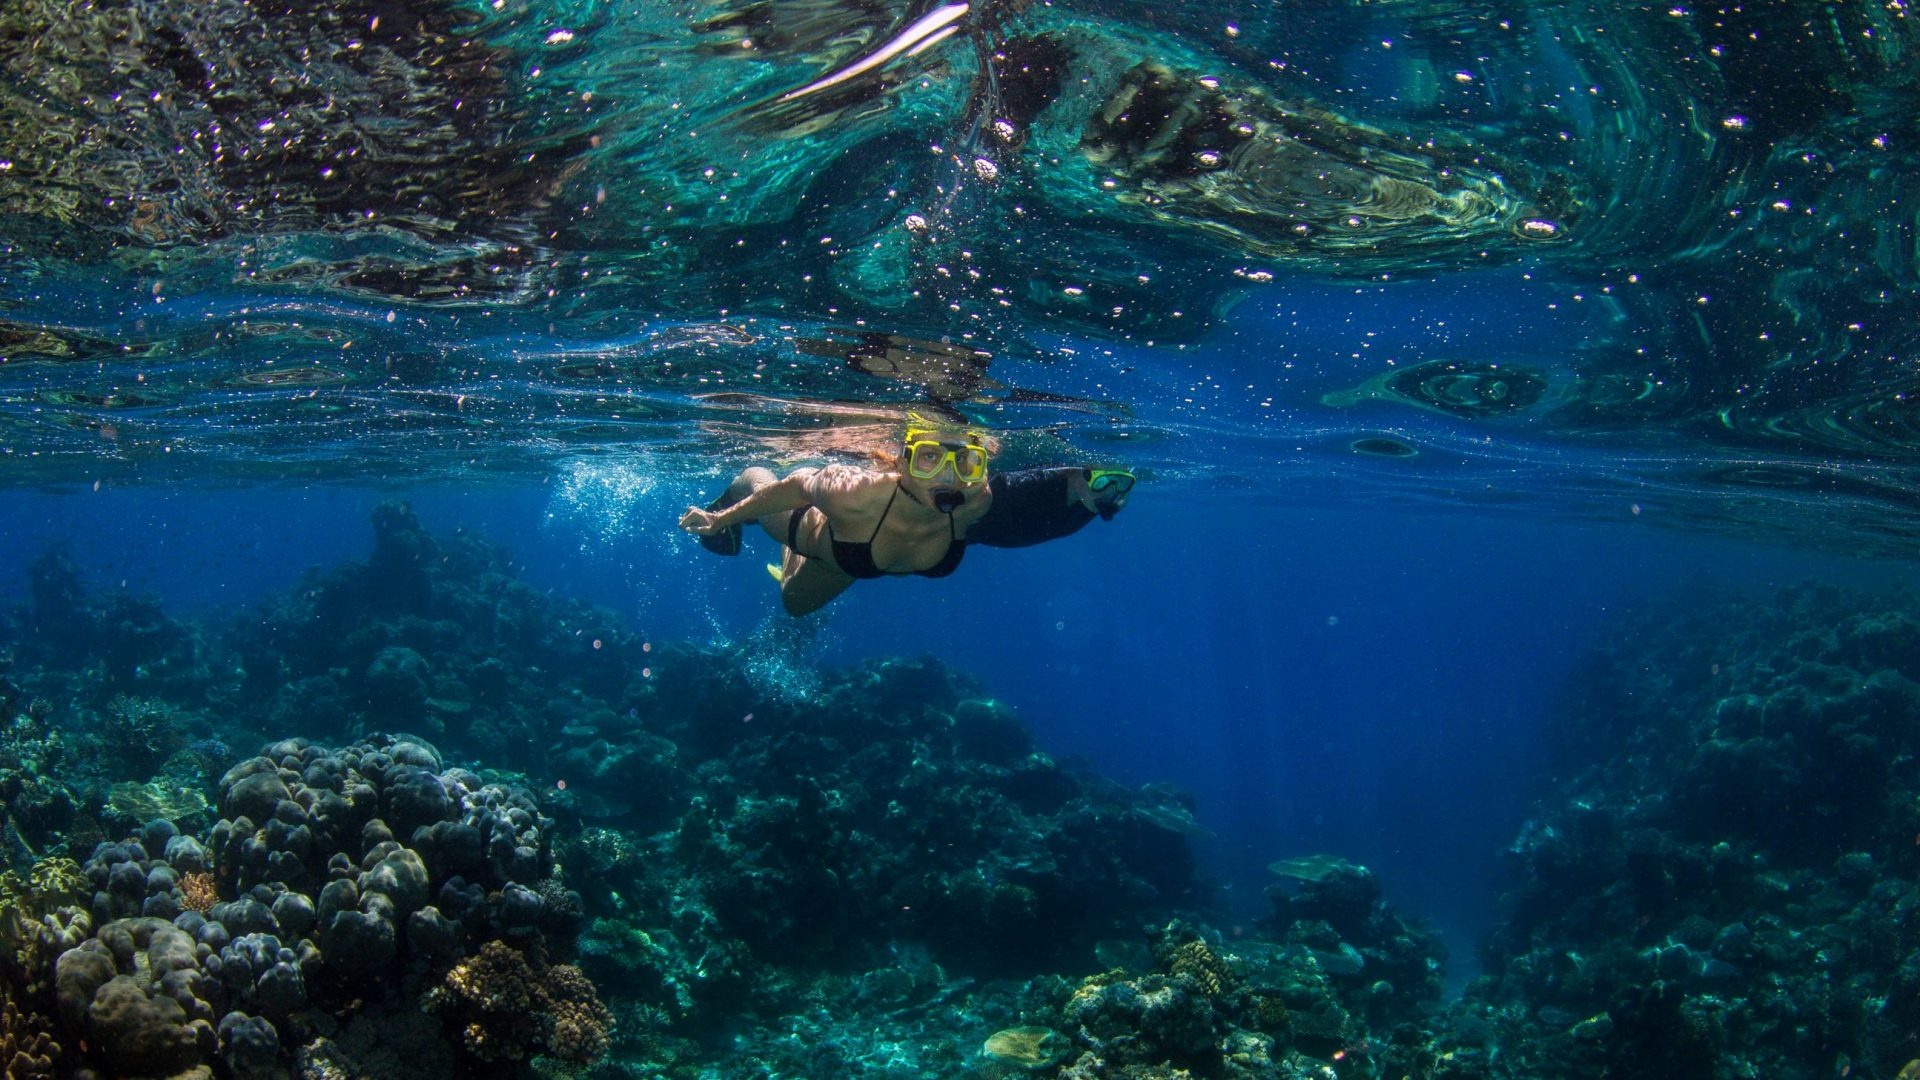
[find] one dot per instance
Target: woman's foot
(750, 480)
(727, 541)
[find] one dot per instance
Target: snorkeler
(911, 514)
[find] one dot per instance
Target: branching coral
(199, 892)
(145, 726)
(1208, 970)
(509, 1005)
(26, 737)
(139, 718)
(580, 1024)
(1269, 1012)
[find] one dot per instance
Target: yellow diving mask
(1119, 481)
(929, 454)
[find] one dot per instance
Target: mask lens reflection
(927, 459)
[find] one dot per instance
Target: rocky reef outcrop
(1724, 883)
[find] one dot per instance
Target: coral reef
(851, 851)
(136, 993)
(126, 645)
(804, 851)
(510, 1005)
(1028, 1047)
(134, 804)
(252, 948)
(41, 914)
(689, 874)
(27, 1046)
(38, 765)
(414, 639)
(1356, 941)
(141, 728)
(1725, 884)
(1265, 1007)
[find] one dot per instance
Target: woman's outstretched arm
(785, 494)
(1036, 505)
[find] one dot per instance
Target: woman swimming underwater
(914, 512)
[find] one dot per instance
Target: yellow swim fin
(773, 571)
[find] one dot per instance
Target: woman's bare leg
(750, 480)
(807, 584)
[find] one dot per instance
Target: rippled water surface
(1580, 258)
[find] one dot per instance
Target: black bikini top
(856, 559)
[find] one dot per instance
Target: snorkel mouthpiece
(947, 500)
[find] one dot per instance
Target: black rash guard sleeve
(1029, 507)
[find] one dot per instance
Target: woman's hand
(1079, 492)
(701, 522)
(769, 497)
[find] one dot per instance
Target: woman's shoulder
(976, 508)
(843, 483)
